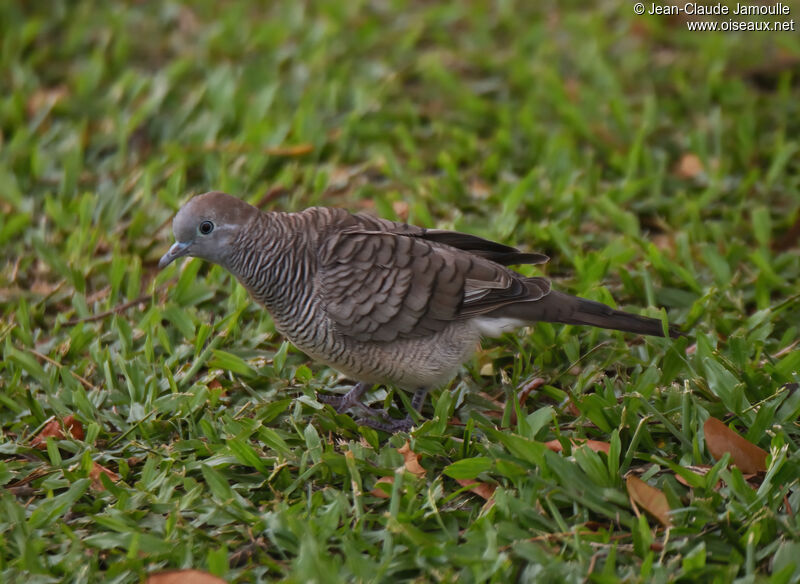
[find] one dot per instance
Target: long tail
(563, 308)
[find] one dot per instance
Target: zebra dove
(380, 301)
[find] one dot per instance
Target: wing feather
(383, 285)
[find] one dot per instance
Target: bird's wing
(497, 252)
(491, 250)
(381, 286)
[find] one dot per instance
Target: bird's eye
(206, 227)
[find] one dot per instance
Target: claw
(342, 403)
(378, 419)
(331, 400)
(390, 425)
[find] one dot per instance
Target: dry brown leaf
(479, 189)
(782, 353)
(663, 241)
(183, 577)
(649, 498)
(54, 428)
(378, 491)
(217, 384)
(41, 287)
(483, 490)
(701, 470)
(401, 210)
(554, 445)
(720, 439)
(271, 194)
(596, 445)
(689, 166)
(639, 28)
(45, 98)
(528, 388)
(411, 460)
(572, 88)
(97, 470)
(297, 150)
(491, 399)
(606, 135)
(522, 396)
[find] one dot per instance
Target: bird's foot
(385, 423)
(342, 403)
(378, 419)
(388, 424)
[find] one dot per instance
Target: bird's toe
(386, 424)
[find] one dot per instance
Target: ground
(155, 420)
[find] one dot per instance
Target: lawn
(658, 168)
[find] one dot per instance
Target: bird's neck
(275, 259)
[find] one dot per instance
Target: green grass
(556, 126)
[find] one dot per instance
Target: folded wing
(380, 285)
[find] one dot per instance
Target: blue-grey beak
(178, 249)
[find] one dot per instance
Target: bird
(382, 302)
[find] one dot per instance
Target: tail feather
(563, 308)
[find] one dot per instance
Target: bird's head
(206, 227)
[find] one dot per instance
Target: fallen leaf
(640, 28)
(663, 241)
(720, 439)
(484, 490)
(596, 445)
(183, 577)
(217, 384)
(606, 135)
(379, 491)
(23, 482)
(45, 99)
(401, 210)
(523, 393)
(411, 460)
(528, 388)
(60, 430)
(572, 88)
(492, 400)
(479, 189)
(297, 150)
(271, 194)
(572, 409)
(649, 498)
(100, 294)
(41, 287)
(689, 166)
(701, 470)
(782, 353)
(97, 470)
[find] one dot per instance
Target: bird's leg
(419, 398)
(342, 403)
(391, 425)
